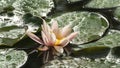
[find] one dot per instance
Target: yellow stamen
(57, 42)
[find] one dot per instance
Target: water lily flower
(53, 36)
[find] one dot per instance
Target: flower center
(57, 42)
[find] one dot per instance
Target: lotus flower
(53, 36)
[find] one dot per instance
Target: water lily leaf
(24, 12)
(35, 7)
(13, 28)
(32, 22)
(11, 34)
(80, 63)
(10, 58)
(103, 3)
(117, 13)
(111, 40)
(89, 25)
(73, 0)
(5, 3)
(92, 52)
(94, 57)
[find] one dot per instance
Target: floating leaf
(10, 58)
(35, 7)
(103, 3)
(80, 63)
(92, 52)
(73, 0)
(11, 34)
(111, 40)
(89, 25)
(94, 57)
(32, 22)
(5, 3)
(117, 13)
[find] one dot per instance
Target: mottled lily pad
(111, 40)
(73, 0)
(117, 13)
(103, 3)
(13, 28)
(10, 58)
(35, 7)
(89, 25)
(5, 3)
(11, 35)
(95, 57)
(70, 62)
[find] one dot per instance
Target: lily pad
(35, 7)
(94, 57)
(90, 26)
(80, 63)
(5, 3)
(111, 40)
(11, 34)
(103, 3)
(13, 28)
(10, 58)
(117, 13)
(32, 22)
(73, 0)
(92, 52)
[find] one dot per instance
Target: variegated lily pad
(35, 7)
(10, 58)
(117, 13)
(73, 0)
(111, 40)
(103, 3)
(89, 25)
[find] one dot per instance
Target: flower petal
(47, 33)
(45, 39)
(64, 42)
(46, 29)
(59, 49)
(56, 29)
(66, 31)
(55, 26)
(53, 38)
(45, 48)
(72, 35)
(34, 37)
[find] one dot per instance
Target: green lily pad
(103, 3)
(111, 40)
(73, 0)
(32, 22)
(10, 58)
(94, 57)
(71, 62)
(13, 28)
(92, 52)
(90, 26)
(5, 3)
(117, 13)
(35, 7)
(11, 34)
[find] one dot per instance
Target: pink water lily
(53, 36)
